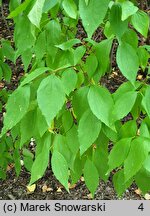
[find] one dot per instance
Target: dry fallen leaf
(90, 196)
(140, 77)
(10, 167)
(82, 179)
(147, 196)
(138, 191)
(59, 190)
(71, 186)
(46, 189)
(31, 188)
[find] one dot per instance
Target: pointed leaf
(103, 49)
(140, 21)
(119, 153)
(92, 14)
(35, 14)
(101, 103)
(69, 80)
(128, 9)
(136, 157)
(142, 179)
(17, 104)
(70, 8)
(145, 101)
(50, 97)
(91, 176)
(117, 25)
(126, 53)
(119, 182)
(67, 45)
(41, 161)
(124, 104)
(91, 65)
(88, 130)
(60, 168)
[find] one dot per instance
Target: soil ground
(16, 188)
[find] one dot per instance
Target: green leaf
(119, 182)
(53, 31)
(92, 15)
(129, 129)
(126, 53)
(40, 46)
(28, 163)
(27, 153)
(1, 73)
(16, 157)
(7, 49)
(76, 172)
(103, 49)
(22, 41)
(7, 73)
(67, 120)
(41, 161)
(123, 88)
(117, 25)
(87, 2)
(17, 104)
(91, 176)
(2, 174)
(80, 102)
(91, 65)
(13, 4)
(68, 44)
(123, 104)
(27, 127)
(128, 9)
(143, 57)
(140, 22)
(35, 14)
(50, 97)
(33, 75)
(130, 37)
(69, 80)
(119, 153)
(72, 140)
(100, 156)
(142, 179)
(88, 130)
(26, 57)
(49, 4)
(108, 32)
(144, 130)
(146, 164)
(110, 133)
(136, 157)
(78, 54)
(41, 123)
(145, 101)
(70, 8)
(60, 168)
(18, 10)
(101, 103)
(60, 145)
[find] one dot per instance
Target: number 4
(141, 207)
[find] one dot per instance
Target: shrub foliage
(61, 103)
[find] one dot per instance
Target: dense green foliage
(60, 102)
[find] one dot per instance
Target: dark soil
(16, 188)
